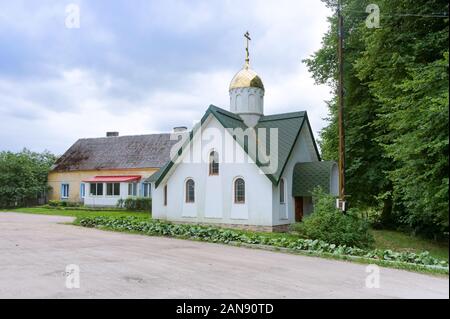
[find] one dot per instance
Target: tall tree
(396, 104)
(405, 63)
(365, 168)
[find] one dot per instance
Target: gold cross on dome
(247, 58)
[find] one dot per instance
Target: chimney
(178, 129)
(112, 134)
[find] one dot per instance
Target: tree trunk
(387, 219)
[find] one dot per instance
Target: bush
(135, 203)
(53, 203)
(331, 225)
(227, 236)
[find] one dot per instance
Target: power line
(418, 15)
(442, 14)
(402, 14)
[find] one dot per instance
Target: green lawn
(78, 213)
(398, 241)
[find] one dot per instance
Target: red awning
(113, 179)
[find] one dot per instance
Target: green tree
(23, 177)
(405, 64)
(366, 177)
(396, 104)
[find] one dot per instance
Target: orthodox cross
(247, 58)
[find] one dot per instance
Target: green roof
(154, 177)
(308, 176)
(289, 126)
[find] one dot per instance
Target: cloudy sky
(141, 67)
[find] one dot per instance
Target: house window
(147, 189)
(190, 191)
(96, 189)
(132, 189)
(113, 189)
(239, 191)
(82, 190)
(213, 163)
(165, 195)
(282, 200)
(64, 190)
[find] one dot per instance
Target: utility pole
(341, 201)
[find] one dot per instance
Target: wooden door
(298, 209)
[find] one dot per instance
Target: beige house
(100, 171)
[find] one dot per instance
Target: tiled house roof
(118, 152)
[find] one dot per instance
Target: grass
(78, 213)
(398, 241)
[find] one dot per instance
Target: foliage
(135, 203)
(331, 225)
(23, 177)
(227, 236)
(396, 110)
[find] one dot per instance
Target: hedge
(135, 203)
(226, 236)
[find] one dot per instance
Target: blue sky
(141, 67)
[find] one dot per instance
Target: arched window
(282, 200)
(190, 191)
(239, 191)
(213, 163)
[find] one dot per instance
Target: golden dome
(246, 78)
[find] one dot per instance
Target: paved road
(35, 249)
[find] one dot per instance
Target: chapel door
(298, 208)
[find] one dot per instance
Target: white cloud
(77, 98)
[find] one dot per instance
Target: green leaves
(226, 236)
(396, 111)
(135, 203)
(23, 177)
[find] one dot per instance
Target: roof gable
(289, 126)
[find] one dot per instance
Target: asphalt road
(35, 250)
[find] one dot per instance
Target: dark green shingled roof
(308, 176)
(289, 126)
(154, 177)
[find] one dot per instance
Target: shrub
(226, 236)
(53, 203)
(329, 224)
(135, 203)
